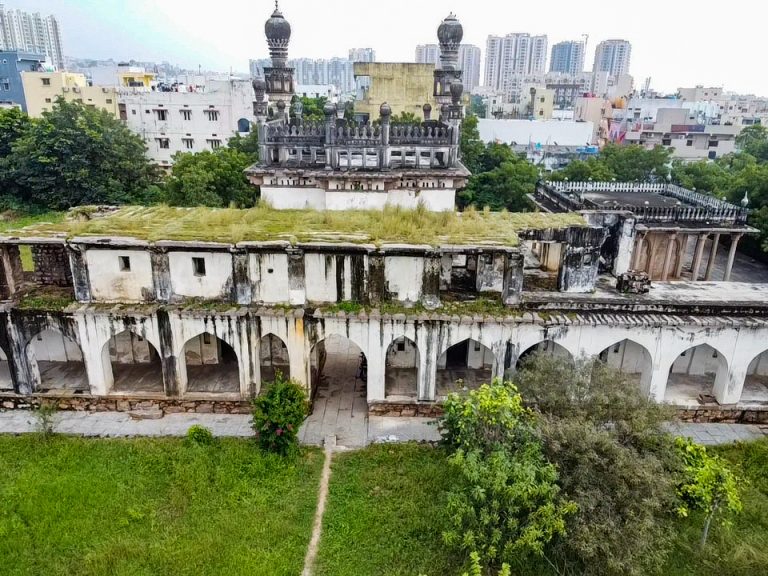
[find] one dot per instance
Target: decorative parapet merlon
(403, 134)
(308, 133)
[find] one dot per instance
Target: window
(148, 111)
(125, 263)
(689, 142)
(186, 114)
(541, 100)
(213, 115)
(161, 114)
(47, 100)
(109, 100)
(198, 265)
(401, 346)
(214, 143)
(666, 141)
(189, 143)
(133, 111)
(163, 143)
(711, 155)
(206, 338)
(46, 81)
(713, 143)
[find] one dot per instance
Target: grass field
(385, 513)
(140, 507)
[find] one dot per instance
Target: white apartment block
(612, 56)
(511, 57)
(567, 57)
(362, 55)
(31, 32)
(172, 122)
(469, 62)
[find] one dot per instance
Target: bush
(46, 418)
(278, 414)
(200, 435)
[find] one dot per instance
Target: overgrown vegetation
(264, 223)
(97, 507)
(51, 298)
(278, 413)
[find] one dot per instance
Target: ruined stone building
(401, 303)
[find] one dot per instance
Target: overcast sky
(675, 42)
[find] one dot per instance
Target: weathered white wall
(273, 351)
(434, 199)
(697, 362)
(218, 274)
(53, 346)
(129, 348)
(403, 276)
(110, 284)
(284, 198)
(269, 275)
(628, 356)
(202, 349)
(350, 200)
(759, 366)
(320, 273)
(406, 358)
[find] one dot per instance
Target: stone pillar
(80, 278)
(297, 292)
(161, 273)
(430, 281)
(376, 356)
(377, 290)
(668, 256)
(712, 256)
(242, 287)
(638, 251)
(7, 345)
(429, 353)
(171, 380)
(683, 251)
(702, 240)
(731, 256)
(13, 273)
(512, 290)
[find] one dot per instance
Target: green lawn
(138, 507)
(385, 509)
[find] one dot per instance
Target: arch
(401, 369)
(631, 359)
(548, 347)
(56, 362)
(755, 389)
(338, 367)
(211, 365)
(694, 375)
(132, 364)
(464, 366)
(6, 381)
(243, 125)
(273, 354)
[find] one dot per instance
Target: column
(712, 256)
(668, 256)
(731, 256)
(171, 380)
(683, 252)
(638, 251)
(697, 257)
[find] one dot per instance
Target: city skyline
(171, 31)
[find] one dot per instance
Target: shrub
(200, 435)
(278, 414)
(46, 418)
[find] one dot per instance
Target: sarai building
(390, 308)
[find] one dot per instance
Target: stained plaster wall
(215, 284)
(111, 284)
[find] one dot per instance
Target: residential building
(509, 59)
(187, 121)
(31, 32)
(362, 55)
(328, 91)
(41, 89)
(596, 111)
(612, 56)
(469, 61)
(336, 71)
(567, 57)
(13, 63)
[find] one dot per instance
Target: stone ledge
(126, 404)
(405, 409)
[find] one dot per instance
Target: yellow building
(406, 87)
(41, 89)
(134, 77)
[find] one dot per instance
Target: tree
(708, 485)
(583, 170)
(208, 178)
(13, 124)
(313, 108)
(470, 146)
(635, 163)
(503, 188)
(406, 118)
(248, 145)
(706, 177)
(77, 155)
(505, 505)
(753, 140)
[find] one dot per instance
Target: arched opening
(339, 369)
(401, 371)
(59, 362)
(464, 366)
(133, 364)
(632, 360)
(6, 382)
(693, 375)
(547, 347)
(756, 383)
(274, 358)
(211, 365)
(243, 125)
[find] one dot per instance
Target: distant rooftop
(229, 225)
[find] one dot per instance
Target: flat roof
(606, 200)
(230, 225)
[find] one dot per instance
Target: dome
(277, 27)
(385, 110)
(450, 32)
(457, 89)
(259, 88)
(329, 109)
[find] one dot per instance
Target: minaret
(449, 33)
(279, 78)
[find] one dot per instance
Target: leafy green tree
(278, 414)
(13, 124)
(635, 163)
(210, 178)
(753, 140)
(312, 109)
(248, 145)
(470, 146)
(503, 188)
(583, 170)
(708, 485)
(406, 118)
(77, 155)
(505, 506)
(706, 177)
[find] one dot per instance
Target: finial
(745, 200)
(277, 8)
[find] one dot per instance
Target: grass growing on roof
(393, 224)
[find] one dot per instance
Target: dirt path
(322, 494)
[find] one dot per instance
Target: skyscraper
(469, 61)
(567, 57)
(513, 55)
(31, 32)
(612, 56)
(362, 55)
